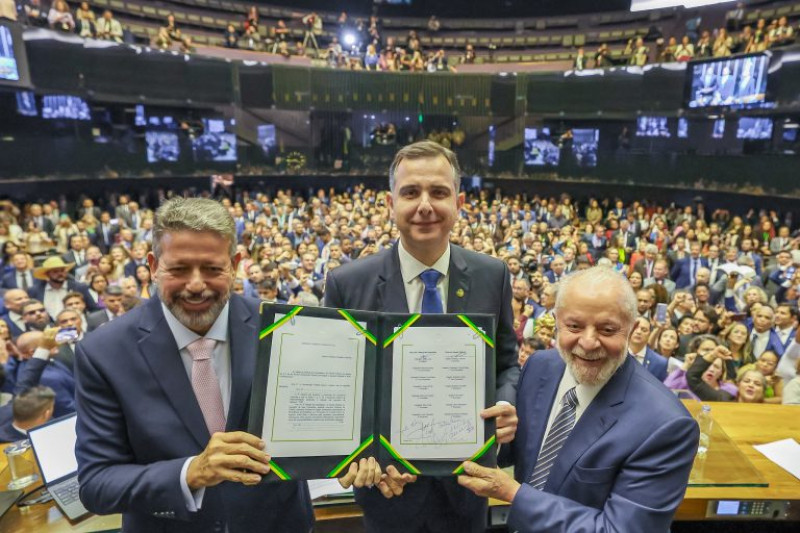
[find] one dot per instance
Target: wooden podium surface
(745, 425)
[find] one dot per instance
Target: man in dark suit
(587, 455)
(684, 272)
(626, 236)
(112, 298)
(424, 273)
(645, 265)
(652, 361)
(22, 275)
(53, 284)
(161, 415)
(13, 299)
(31, 408)
(77, 253)
(138, 257)
(106, 232)
(37, 217)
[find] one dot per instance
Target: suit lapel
(390, 288)
(539, 406)
(595, 421)
(458, 291)
(242, 331)
(157, 346)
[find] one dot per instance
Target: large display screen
(13, 62)
(65, 107)
(652, 127)
(729, 81)
(26, 104)
(540, 150)
(754, 128)
(162, 146)
(584, 146)
(215, 147)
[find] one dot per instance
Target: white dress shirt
(760, 341)
(585, 393)
(411, 268)
(54, 299)
(221, 360)
(784, 334)
(640, 355)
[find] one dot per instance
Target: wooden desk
(745, 425)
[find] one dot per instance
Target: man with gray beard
(587, 455)
(163, 394)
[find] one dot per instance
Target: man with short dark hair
(13, 300)
(34, 315)
(31, 408)
(112, 298)
(21, 277)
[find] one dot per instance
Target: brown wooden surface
(746, 425)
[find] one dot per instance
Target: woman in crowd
(36, 242)
(636, 280)
(59, 18)
(85, 18)
(119, 256)
(97, 286)
(766, 365)
(144, 281)
(62, 233)
(738, 340)
(707, 374)
(9, 249)
(664, 340)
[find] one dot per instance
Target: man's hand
(236, 456)
(364, 473)
(488, 482)
(393, 482)
(506, 421)
(48, 339)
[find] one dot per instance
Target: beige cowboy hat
(51, 263)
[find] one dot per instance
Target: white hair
(600, 276)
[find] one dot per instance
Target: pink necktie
(206, 385)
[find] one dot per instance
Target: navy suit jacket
(625, 464)
(139, 420)
(13, 329)
(656, 364)
(375, 283)
(28, 377)
(54, 374)
(682, 271)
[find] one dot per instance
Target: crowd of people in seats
(717, 291)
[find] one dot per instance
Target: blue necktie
(559, 432)
(431, 300)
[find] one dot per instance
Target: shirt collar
(411, 267)
(641, 353)
(585, 393)
(184, 336)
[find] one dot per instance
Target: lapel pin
(460, 293)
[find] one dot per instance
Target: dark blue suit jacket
(375, 283)
(139, 420)
(681, 273)
(13, 329)
(54, 374)
(28, 377)
(656, 364)
(624, 466)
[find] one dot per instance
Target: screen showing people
(9, 67)
(652, 127)
(162, 146)
(540, 150)
(754, 128)
(26, 104)
(215, 147)
(584, 146)
(65, 107)
(719, 129)
(740, 81)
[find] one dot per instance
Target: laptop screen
(54, 445)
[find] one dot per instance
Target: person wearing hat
(54, 284)
(112, 298)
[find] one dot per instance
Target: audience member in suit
(68, 318)
(138, 257)
(747, 251)
(597, 242)
(682, 305)
(785, 324)
(31, 408)
(75, 301)
(37, 348)
(645, 265)
(424, 199)
(42, 222)
(34, 315)
(714, 262)
(76, 254)
(54, 284)
(684, 272)
(660, 272)
(653, 362)
(160, 434)
(106, 233)
(610, 461)
(13, 299)
(557, 266)
(22, 275)
(627, 238)
(762, 337)
(112, 299)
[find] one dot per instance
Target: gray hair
(193, 214)
(307, 299)
(601, 277)
(651, 249)
(424, 150)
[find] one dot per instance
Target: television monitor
(790, 134)
(754, 128)
(584, 146)
(26, 104)
(683, 128)
(13, 60)
(213, 125)
(267, 139)
(739, 81)
(719, 129)
(162, 146)
(540, 150)
(652, 127)
(62, 106)
(215, 147)
(140, 119)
